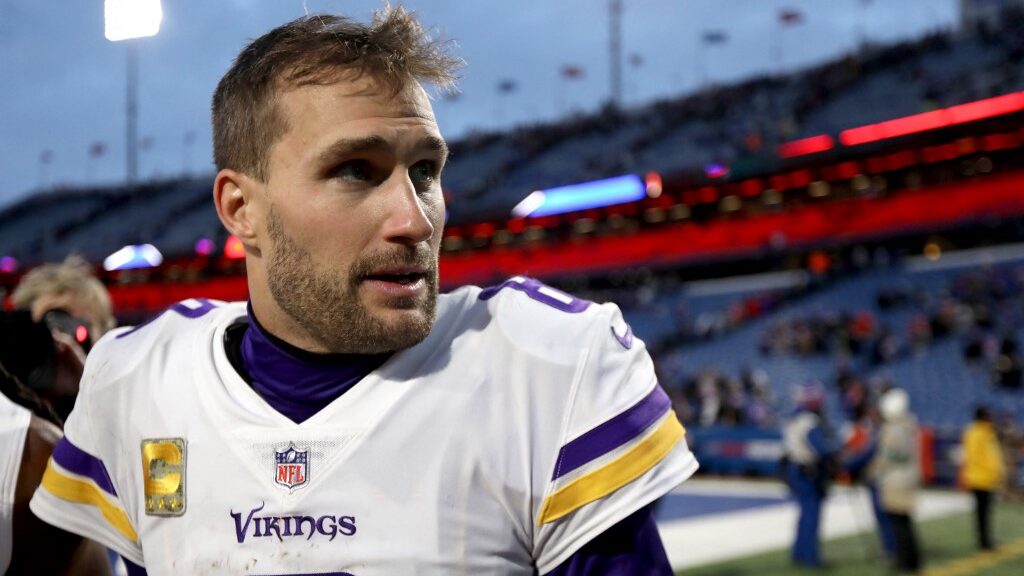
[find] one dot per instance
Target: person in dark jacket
(810, 461)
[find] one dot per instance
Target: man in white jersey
(348, 420)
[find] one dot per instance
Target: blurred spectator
(885, 348)
(62, 308)
(708, 398)
(761, 400)
(983, 470)
(713, 399)
(831, 332)
(1011, 437)
(974, 350)
(810, 458)
(920, 333)
(895, 470)
(75, 309)
(860, 448)
(854, 396)
(1006, 371)
(734, 407)
(69, 286)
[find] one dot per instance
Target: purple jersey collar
(295, 382)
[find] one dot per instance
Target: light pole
(132, 111)
(129, 20)
(615, 50)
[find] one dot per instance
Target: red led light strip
(960, 114)
(805, 146)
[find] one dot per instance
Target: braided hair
(19, 393)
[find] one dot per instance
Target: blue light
(716, 170)
(573, 197)
(132, 257)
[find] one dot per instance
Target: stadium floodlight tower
(127, 20)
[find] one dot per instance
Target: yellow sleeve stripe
(85, 492)
(615, 474)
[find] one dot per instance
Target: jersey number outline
(539, 292)
(191, 308)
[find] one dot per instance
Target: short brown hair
(394, 48)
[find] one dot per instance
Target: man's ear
(235, 196)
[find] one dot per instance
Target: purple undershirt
(630, 548)
(295, 382)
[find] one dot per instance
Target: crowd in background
(980, 308)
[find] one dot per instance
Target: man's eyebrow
(433, 143)
(349, 146)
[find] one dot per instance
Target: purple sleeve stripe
(140, 326)
(613, 433)
(77, 461)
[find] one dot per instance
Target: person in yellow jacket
(982, 470)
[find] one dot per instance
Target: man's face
(354, 213)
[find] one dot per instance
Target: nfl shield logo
(292, 468)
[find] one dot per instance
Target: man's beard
(328, 307)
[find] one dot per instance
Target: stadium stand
(940, 371)
(737, 126)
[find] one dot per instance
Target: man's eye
(354, 170)
(423, 172)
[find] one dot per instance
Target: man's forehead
(403, 96)
(325, 120)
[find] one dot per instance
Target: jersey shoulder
(543, 321)
(128, 349)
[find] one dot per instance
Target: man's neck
(294, 381)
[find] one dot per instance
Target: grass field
(948, 546)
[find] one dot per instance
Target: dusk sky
(64, 83)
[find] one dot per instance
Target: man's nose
(407, 220)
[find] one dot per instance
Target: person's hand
(69, 362)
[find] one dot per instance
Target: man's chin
(398, 319)
(393, 321)
(399, 328)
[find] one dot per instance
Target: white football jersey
(524, 425)
(14, 421)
